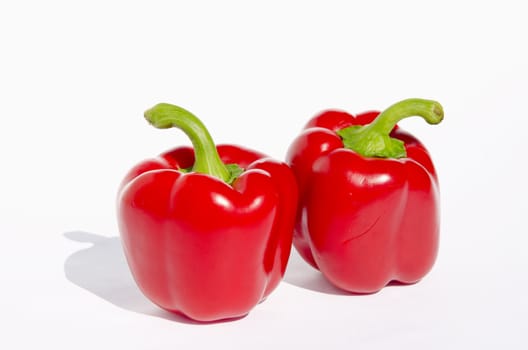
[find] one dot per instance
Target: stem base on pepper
(373, 140)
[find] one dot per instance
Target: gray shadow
(299, 273)
(101, 269)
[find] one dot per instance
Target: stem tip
(438, 113)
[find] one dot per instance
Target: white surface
(75, 79)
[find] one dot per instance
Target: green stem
(207, 159)
(373, 140)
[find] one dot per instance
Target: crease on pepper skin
(346, 241)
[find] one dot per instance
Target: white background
(75, 78)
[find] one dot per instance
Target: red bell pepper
(202, 238)
(369, 200)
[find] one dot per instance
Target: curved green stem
(373, 140)
(207, 159)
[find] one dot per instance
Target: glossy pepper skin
(197, 242)
(369, 204)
